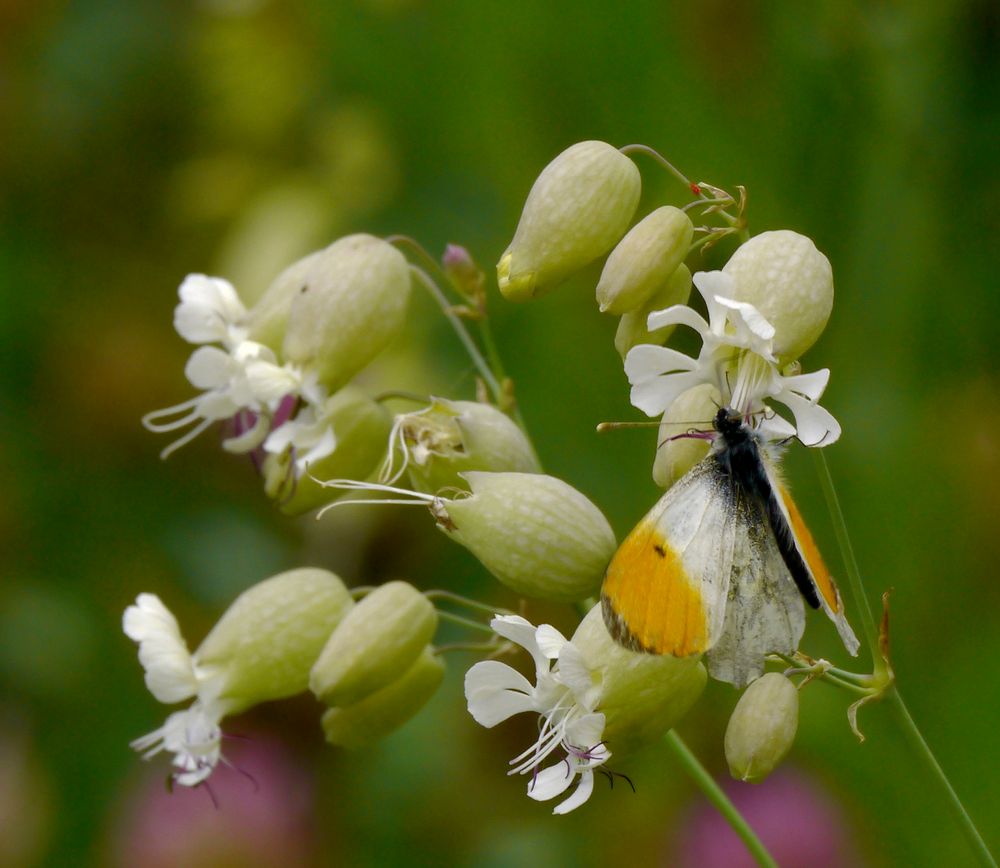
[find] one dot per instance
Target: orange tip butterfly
(721, 565)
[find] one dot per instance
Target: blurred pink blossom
(261, 815)
(796, 819)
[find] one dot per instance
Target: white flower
(565, 695)
(737, 357)
(193, 737)
(246, 378)
(309, 435)
(261, 649)
(210, 312)
(172, 675)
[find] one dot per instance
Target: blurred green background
(145, 140)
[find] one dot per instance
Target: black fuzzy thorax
(739, 459)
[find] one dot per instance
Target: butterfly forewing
(666, 587)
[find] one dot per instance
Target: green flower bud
(267, 319)
(762, 727)
(632, 326)
(374, 644)
(452, 437)
(695, 408)
(379, 713)
(464, 274)
(790, 282)
(644, 259)
(539, 536)
(349, 309)
(266, 642)
(578, 208)
(643, 695)
(361, 427)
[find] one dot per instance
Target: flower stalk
(884, 685)
(715, 794)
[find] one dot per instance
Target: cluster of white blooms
(275, 371)
(280, 372)
(593, 698)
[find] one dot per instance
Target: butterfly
(721, 565)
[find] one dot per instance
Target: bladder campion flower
(591, 696)
(261, 649)
(737, 358)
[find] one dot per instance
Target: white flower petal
(576, 675)
(810, 386)
(751, 329)
(645, 361)
(712, 284)
(775, 428)
(209, 310)
(552, 781)
(494, 691)
(194, 737)
(326, 445)
(587, 733)
(170, 674)
(816, 426)
(213, 406)
(270, 382)
(550, 641)
(678, 314)
(580, 794)
(654, 396)
(521, 632)
(209, 368)
(249, 439)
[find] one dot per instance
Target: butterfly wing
(665, 589)
(818, 574)
(764, 612)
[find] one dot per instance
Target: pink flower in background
(796, 819)
(262, 816)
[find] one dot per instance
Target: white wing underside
(726, 546)
(764, 612)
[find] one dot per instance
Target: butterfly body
(721, 565)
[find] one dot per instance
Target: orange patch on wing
(810, 552)
(648, 589)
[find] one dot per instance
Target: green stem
(474, 647)
(923, 750)
(850, 562)
(463, 333)
(464, 622)
(883, 672)
(458, 599)
(663, 161)
(493, 353)
(721, 801)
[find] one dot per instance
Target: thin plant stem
(714, 793)
(458, 599)
(850, 562)
(673, 170)
(476, 647)
(883, 672)
(493, 353)
(463, 333)
(495, 364)
(918, 743)
(663, 161)
(464, 622)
